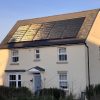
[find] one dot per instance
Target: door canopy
(36, 69)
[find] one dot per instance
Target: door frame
(34, 84)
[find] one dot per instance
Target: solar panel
(50, 30)
(72, 27)
(24, 27)
(19, 33)
(29, 35)
(35, 26)
(25, 33)
(57, 30)
(44, 31)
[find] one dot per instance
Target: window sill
(67, 91)
(14, 63)
(36, 60)
(62, 62)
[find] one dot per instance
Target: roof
(62, 29)
(39, 68)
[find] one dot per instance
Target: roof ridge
(90, 10)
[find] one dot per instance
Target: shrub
(2, 97)
(26, 98)
(97, 89)
(93, 91)
(43, 98)
(56, 93)
(70, 97)
(89, 91)
(23, 93)
(7, 93)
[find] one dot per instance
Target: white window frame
(62, 54)
(63, 73)
(17, 80)
(14, 55)
(37, 54)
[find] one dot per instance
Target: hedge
(54, 92)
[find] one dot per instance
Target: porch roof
(36, 69)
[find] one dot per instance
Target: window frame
(63, 80)
(37, 54)
(62, 54)
(14, 56)
(17, 80)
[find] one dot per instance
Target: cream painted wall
(93, 42)
(4, 58)
(75, 67)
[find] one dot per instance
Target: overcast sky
(14, 10)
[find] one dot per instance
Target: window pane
(63, 77)
(19, 77)
(62, 57)
(37, 56)
(12, 83)
(63, 80)
(63, 84)
(12, 77)
(62, 54)
(19, 83)
(65, 57)
(62, 50)
(14, 52)
(15, 59)
(37, 51)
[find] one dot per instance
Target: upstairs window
(37, 54)
(62, 54)
(15, 80)
(15, 56)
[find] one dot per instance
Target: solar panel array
(51, 30)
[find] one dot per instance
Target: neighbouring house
(61, 51)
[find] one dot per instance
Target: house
(61, 51)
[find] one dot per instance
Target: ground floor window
(63, 84)
(14, 80)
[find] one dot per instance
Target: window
(37, 54)
(15, 80)
(15, 56)
(63, 84)
(62, 54)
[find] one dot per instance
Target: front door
(37, 82)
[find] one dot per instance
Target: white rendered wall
(93, 42)
(75, 67)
